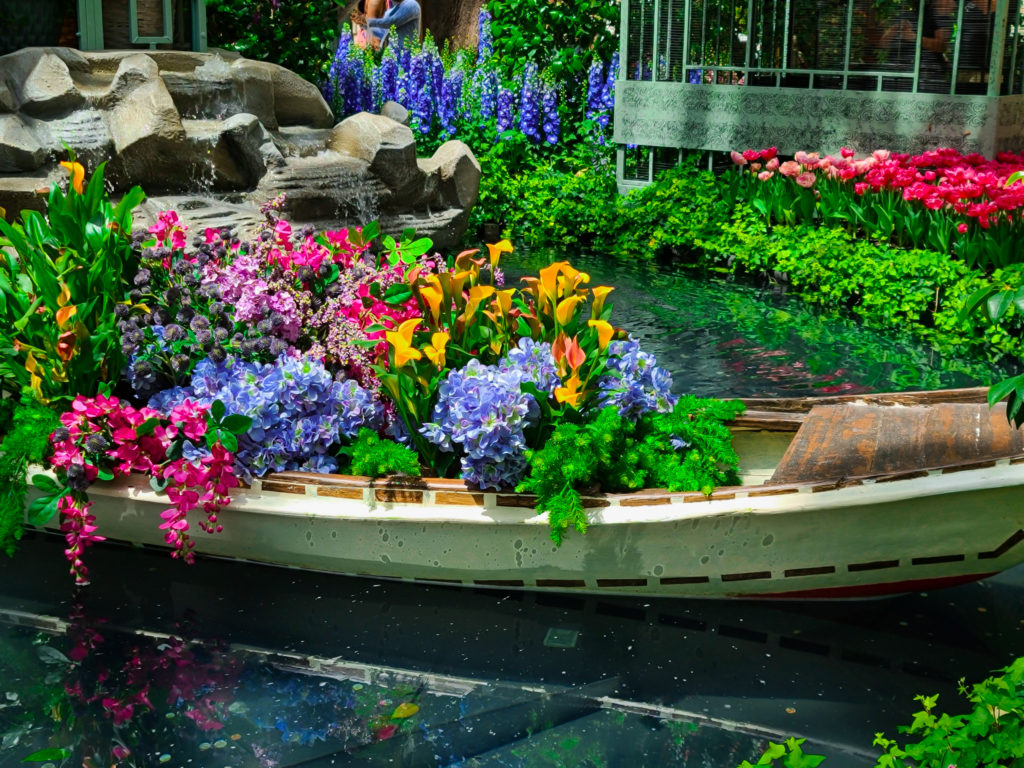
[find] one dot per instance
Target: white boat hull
(866, 538)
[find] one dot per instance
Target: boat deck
(856, 440)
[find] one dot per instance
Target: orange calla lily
(66, 345)
(604, 332)
(567, 309)
(64, 314)
(567, 352)
(570, 394)
(435, 351)
(401, 340)
(77, 173)
(600, 292)
(496, 249)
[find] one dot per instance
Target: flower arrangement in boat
(940, 199)
(323, 352)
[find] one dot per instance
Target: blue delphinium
(608, 89)
(506, 111)
(334, 74)
(483, 410)
(449, 102)
(485, 41)
(299, 412)
(487, 85)
(635, 383)
(529, 104)
(595, 81)
(551, 124)
(387, 77)
(420, 92)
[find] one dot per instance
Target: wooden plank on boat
(775, 421)
(857, 440)
(804, 404)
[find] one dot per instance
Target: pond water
(228, 665)
(720, 337)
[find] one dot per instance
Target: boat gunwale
(766, 414)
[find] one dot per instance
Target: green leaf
(997, 392)
(416, 248)
(217, 410)
(42, 510)
(998, 304)
(237, 424)
(399, 293)
(146, 428)
(45, 755)
(105, 475)
(229, 441)
(46, 484)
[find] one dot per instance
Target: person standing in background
(403, 15)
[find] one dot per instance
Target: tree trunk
(454, 20)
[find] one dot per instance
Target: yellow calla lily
(435, 351)
(600, 293)
(77, 173)
(433, 296)
(401, 340)
(64, 314)
(476, 295)
(496, 249)
(604, 332)
(567, 309)
(403, 710)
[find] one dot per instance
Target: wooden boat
(842, 497)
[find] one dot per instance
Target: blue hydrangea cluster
(529, 104)
(299, 411)
(532, 362)
(635, 383)
(483, 411)
(549, 105)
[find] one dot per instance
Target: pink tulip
(737, 158)
(806, 179)
(765, 175)
(790, 168)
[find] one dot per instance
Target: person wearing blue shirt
(403, 15)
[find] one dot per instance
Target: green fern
(612, 454)
(375, 456)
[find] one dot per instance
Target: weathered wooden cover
(855, 440)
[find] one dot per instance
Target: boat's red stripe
(876, 590)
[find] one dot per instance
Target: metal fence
(967, 47)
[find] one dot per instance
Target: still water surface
(224, 665)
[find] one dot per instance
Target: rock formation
(216, 135)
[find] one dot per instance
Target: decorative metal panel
(724, 117)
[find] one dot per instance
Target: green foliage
(375, 456)
(791, 754)
(565, 36)
(59, 287)
(611, 454)
(300, 36)
(991, 733)
(27, 442)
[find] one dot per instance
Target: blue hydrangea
(483, 411)
(635, 383)
(298, 411)
(532, 362)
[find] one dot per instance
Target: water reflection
(721, 338)
(252, 666)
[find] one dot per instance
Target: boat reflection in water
(246, 665)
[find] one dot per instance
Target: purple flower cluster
(299, 411)
(487, 85)
(532, 362)
(635, 384)
(419, 98)
(448, 104)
